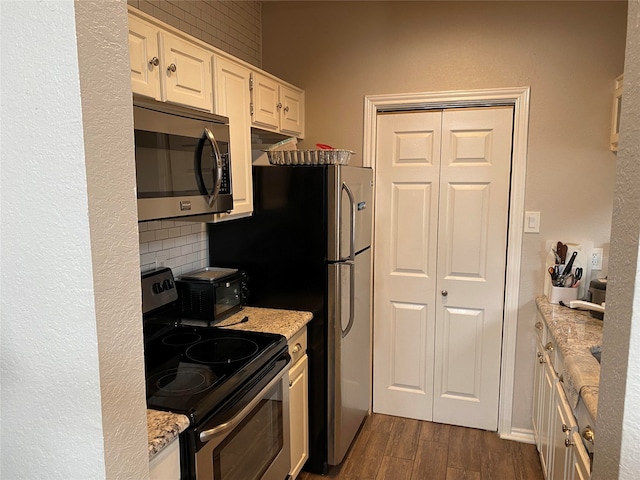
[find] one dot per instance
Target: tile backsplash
(182, 246)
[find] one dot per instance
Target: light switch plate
(531, 222)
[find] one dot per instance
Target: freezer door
(349, 351)
(350, 208)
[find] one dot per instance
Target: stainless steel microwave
(182, 161)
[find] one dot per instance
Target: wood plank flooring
(394, 448)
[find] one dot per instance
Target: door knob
(444, 293)
(154, 61)
(172, 68)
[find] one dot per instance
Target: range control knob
(157, 288)
(167, 284)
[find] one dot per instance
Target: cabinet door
(563, 426)
(186, 73)
(232, 99)
(546, 398)
(266, 111)
(538, 379)
(144, 58)
(299, 413)
(615, 117)
(292, 112)
(166, 464)
(580, 465)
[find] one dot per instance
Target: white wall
(107, 115)
(72, 396)
(569, 53)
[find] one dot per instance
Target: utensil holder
(564, 294)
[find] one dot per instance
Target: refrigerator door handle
(352, 300)
(352, 209)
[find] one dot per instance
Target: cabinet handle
(541, 360)
(567, 442)
(444, 293)
(172, 68)
(565, 429)
(539, 325)
(290, 384)
(154, 62)
(539, 354)
(286, 109)
(549, 347)
(296, 348)
(279, 105)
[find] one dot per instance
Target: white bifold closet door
(442, 204)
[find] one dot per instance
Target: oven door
(254, 443)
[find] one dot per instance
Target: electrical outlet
(596, 259)
(161, 259)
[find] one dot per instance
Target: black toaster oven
(211, 294)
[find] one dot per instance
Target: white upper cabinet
(615, 115)
(277, 107)
(171, 66)
(233, 100)
(167, 67)
(143, 57)
(292, 114)
(187, 72)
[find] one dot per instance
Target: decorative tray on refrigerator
(309, 157)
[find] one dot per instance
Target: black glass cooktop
(192, 370)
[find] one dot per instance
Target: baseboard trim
(522, 435)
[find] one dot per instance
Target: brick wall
(232, 26)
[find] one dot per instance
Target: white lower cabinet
(579, 463)
(563, 425)
(562, 453)
(166, 464)
(299, 402)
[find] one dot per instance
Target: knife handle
(567, 269)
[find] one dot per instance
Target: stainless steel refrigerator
(308, 247)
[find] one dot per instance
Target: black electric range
(206, 373)
(193, 370)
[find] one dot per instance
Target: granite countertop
(164, 427)
(576, 332)
(284, 322)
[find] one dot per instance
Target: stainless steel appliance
(211, 294)
(233, 386)
(598, 290)
(182, 161)
(308, 247)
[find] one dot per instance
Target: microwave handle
(207, 135)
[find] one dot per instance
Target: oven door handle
(223, 428)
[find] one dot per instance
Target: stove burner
(181, 339)
(222, 350)
(181, 380)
